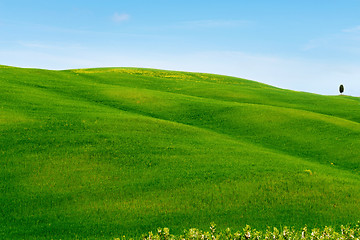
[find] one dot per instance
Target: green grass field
(102, 153)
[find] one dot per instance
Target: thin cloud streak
(118, 18)
(345, 41)
(43, 28)
(352, 30)
(214, 24)
(49, 46)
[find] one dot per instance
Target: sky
(302, 45)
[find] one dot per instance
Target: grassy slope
(106, 152)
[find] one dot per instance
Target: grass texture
(98, 153)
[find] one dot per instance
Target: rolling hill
(101, 153)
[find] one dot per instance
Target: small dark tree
(341, 89)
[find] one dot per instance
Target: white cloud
(118, 18)
(352, 30)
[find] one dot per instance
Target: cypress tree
(341, 89)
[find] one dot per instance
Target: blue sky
(305, 45)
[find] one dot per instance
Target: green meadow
(103, 153)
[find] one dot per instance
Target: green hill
(101, 153)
